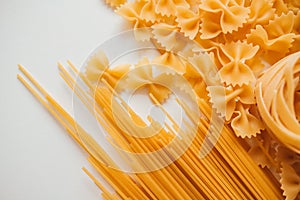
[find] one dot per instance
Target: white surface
(38, 160)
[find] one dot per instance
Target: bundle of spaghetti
(226, 172)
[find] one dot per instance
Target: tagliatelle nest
(275, 94)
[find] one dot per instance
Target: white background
(38, 160)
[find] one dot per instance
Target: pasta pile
(242, 37)
(245, 39)
(243, 64)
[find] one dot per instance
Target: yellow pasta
(243, 38)
(289, 163)
(168, 7)
(243, 94)
(132, 12)
(148, 12)
(261, 12)
(188, 21)
(246, 70)
(165, 35)
(221, 16)
(245, 124)
(275, 98)
(274, 40)
(236, 72)
(216, 176)
(115, 3)
(170, 60)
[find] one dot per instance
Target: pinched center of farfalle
(146, 76)
(235, 71)
(222, 16)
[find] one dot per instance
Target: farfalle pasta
(290, 181)
(240, 94)
(188, 21)
(98, 66)
(275, 39)
(221, 16)
(115, 3)
(165, 35)
(264, 150)
(236, 71)
(289, 172)
(245, 124)
(148, 12)
(196, 81)
(168, 7)
(170, 60)
(132, 12)
(261, 12)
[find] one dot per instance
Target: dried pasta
(115, 3)
(216, 176)
(275, 98)
(243, 38)
(236, 72)
(248, 72)
(221, 16)
(188, 21)
(261, 12)
(168, 7)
